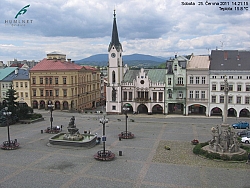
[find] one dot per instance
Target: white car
(245, 139)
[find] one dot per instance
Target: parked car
(245, 139)
(241, 125)
(244, 133)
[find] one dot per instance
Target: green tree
(10, 102)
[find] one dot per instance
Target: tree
(10, 102)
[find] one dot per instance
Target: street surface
(38, 165)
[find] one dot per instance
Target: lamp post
(125, 109)
(104, 155)
(9, 145)
(126, 134)
(7, 114)
(51, 106)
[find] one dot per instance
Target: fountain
(224, 139)
(73, 137)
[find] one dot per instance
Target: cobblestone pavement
(144, 162)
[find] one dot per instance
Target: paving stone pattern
(145, 163)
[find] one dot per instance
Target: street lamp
(126, 134)
(9, 144)
(6, 113)
(104, 155)
(51, 106)
(125, 109)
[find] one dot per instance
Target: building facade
(175, 91)
(63, 83)
(234, 66)
(198, 85)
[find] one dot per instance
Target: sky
(81, 28)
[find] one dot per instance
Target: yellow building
(66, 85)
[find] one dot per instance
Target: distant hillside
(138, 60)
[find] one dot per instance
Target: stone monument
(224, 138)
(73, 133)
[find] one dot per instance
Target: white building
(198, 85)
(140, 90)
(235, 65)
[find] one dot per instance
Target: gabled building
(5, 85)
(21, 83)
(63, 83)
(175, 90)
(235, 66)
(142, 91)
(198, 85)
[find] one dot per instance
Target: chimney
(16, 71)
(225, 55)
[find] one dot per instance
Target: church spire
(115, 39)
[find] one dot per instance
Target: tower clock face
(113, 55)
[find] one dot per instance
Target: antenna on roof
(222, 42)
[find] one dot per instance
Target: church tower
(115, 73)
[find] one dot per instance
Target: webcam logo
(22, 11)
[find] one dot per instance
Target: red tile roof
(53, 64)
(87, 67)
(19, 65)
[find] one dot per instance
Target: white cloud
(82, 28)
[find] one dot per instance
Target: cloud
(82, 28)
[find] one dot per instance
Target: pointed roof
(6, 71)
(115, 39)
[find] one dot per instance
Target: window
(64, 80)
(221, 99)
(41, 80)
(239, 77)
(180, 94)
(238, 87)
(2, 85)
(65, 92)
(57, 92)
(222, 87)
(180, 80)
(170, 93)
(203, 94)
(169, 81)
(175, 67)
(191, 94)
(46, 81)
(154, 96)
(191, 80)
(50, 80)
(21, 84)
(213, 77)
(247, 87)
(203, 80)
(34, 92)
(222, 77)
(213, 87)
(130, 96)
(113, 77)
(16, 84)
(230, 87)
(197, 94)
(246, 100)
(125, 95)
(72, 80)
(33, 80)
(160, 96)
(50, 93)
(238, 100)
(26, 95)
(22, 94)
(4, 94)
(56, 80)
(213, 99)
(113, 107)
(230, 99)
(41, 93)
(26, 84)
(47, 93)
(231, 77)
(197, 80)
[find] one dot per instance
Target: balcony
(142, 100)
